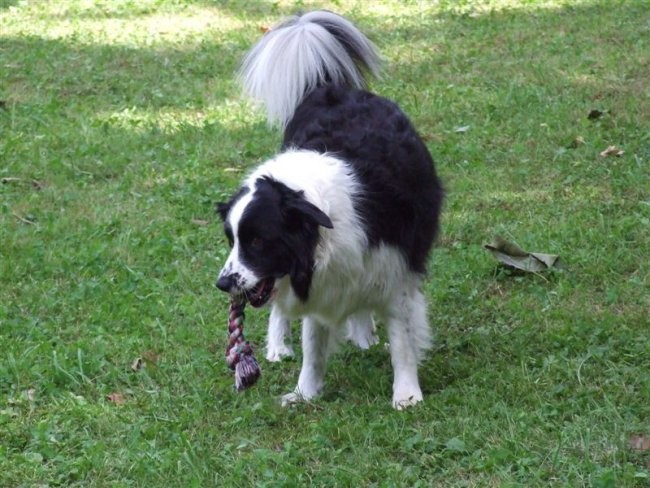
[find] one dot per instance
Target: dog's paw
(292, 398)
(403, 400)
(300, 395)
(277, 354)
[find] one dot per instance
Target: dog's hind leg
(278, 337)
(361, 330)
(316, 346)
(410, 336)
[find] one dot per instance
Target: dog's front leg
(315, 347)
(278, 337)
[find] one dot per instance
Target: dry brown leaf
(639, 442)
(151, 357)
(116, 398)
(595, 114)
(200, 222)
(38, 185)
(612, 151)
(264, 29)
(511, 255)
(137, 364)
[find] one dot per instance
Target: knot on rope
(239, 353)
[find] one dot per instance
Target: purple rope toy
(239, 353)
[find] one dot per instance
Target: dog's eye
(257, 243)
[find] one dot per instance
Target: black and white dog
(337, 228)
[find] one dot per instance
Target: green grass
(121, 125)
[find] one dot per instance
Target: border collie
(337, 227)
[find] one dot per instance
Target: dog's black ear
(310, 212)
(300, 277)
(301, 273)
(295, 207)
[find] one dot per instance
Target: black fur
(401, 197)
(278, 233)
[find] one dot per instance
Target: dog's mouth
(261, 292)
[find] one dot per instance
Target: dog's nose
(226, 283)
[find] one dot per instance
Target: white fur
(278, 337)
(315, 54)
(360, 330)
(233, 264)
(350, 282)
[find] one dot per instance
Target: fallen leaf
(137, 364)
(38, 185)
(264, 29)
(231, 170)
(30, 394)
(639, 442)
(511, 255)
(462, 129)
(116, 398)
(151, 357)
(612, 151)
(200, 222)
(595, 114)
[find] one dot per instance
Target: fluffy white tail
(302, 53)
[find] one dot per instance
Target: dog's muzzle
(228, 282)
(257, 296)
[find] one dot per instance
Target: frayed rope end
(247, 372)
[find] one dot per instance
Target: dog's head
(273, 232)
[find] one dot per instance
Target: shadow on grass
(4, 4)
(250, 10)
(491, 48)
(101, 76)
(116, 97)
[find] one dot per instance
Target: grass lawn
(120, 127)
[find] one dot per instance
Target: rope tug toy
(239, 353)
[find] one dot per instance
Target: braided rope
(239, 353)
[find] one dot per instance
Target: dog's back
(402, 195)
